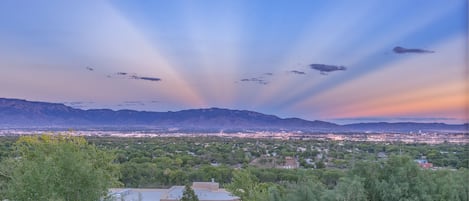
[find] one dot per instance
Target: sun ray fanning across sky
(309, 59)
(362, 58)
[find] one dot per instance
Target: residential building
(205, 191)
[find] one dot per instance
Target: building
(290, 163)
(423, 163)
(135, 194)
(205, 191)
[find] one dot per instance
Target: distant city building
(290, 163)
(205, 191)
(382, 155)
(423, 163)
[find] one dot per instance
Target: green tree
(58, 168)
(399, 178)
(305, 189)
(189, 194)
(247, 187)
(275, 193)
(348, 189)
(242, 184)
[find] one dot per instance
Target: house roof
(205, 191)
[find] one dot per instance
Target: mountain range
(16, 113)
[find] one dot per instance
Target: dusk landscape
(234, 100)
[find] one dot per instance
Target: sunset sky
(242, 54)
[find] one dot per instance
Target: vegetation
(189, 194)
(56, 168)
(253, 169)
(397, 178)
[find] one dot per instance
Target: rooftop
(205, 191)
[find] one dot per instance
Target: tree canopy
(56, 167)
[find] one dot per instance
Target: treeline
(189, 152)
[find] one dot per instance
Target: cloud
(261, 79)
(153, 79)
(401, 50)
(135, 77)
(297, 72)
(255, 80)
(89, 68)
(325, 68)
(121, 75)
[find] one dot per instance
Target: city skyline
(340, 61)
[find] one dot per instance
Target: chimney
(213, 180)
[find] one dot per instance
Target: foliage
(248, 188)
(348, 189)
(329, 170)
(189, 194)
(57, 168)
(399, 178)
(305, 189)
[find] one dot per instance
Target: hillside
(16, 113)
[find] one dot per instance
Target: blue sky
(255, 55)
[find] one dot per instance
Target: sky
(340, 61)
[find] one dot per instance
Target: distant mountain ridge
(22, 113)
(16, 113)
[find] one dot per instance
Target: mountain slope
(22, 113)
(16, 113)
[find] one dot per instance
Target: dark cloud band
(153, 79)
(401, 50)
(325, 68)
(297, 72)
(256, 80)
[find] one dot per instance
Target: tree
(307, 188)
(247, 187)
(58, 168)
(189, 194)
(274, 193)
(242, 184)
(348, 189)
